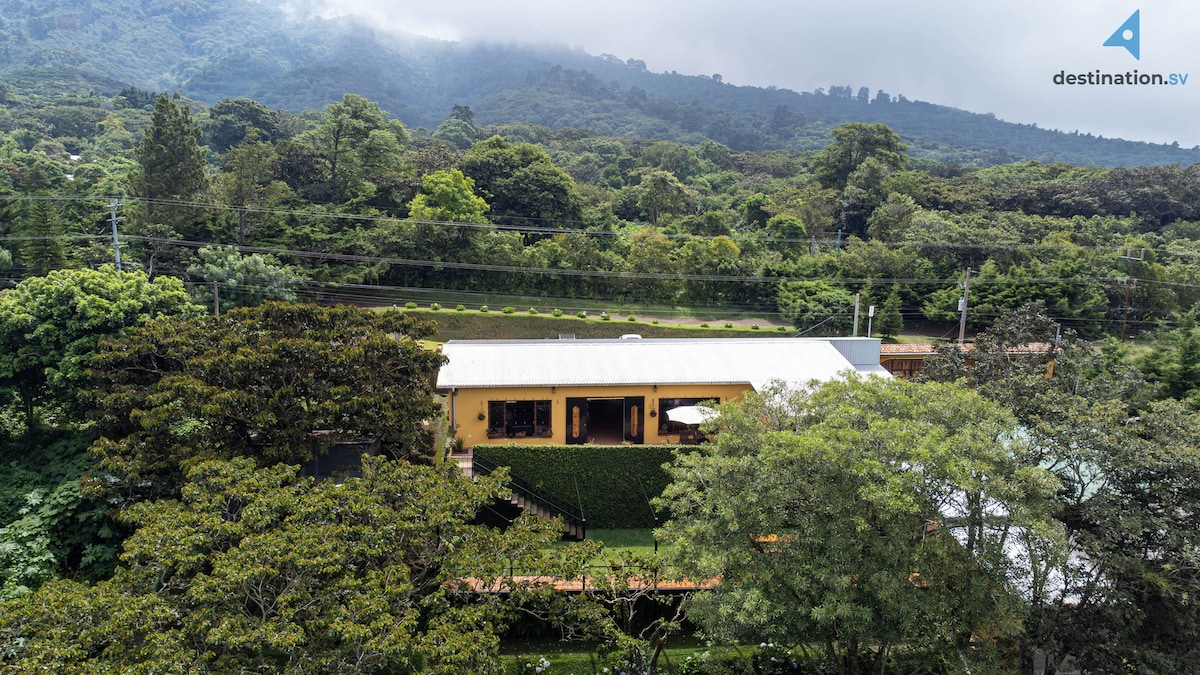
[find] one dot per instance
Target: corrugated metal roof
(567, 363)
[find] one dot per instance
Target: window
(665, 425)
(518, 419)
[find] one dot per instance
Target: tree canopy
(872, 515)
(278, 382)
(49, 326)
(254, 568)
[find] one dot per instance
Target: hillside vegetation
(266, 51)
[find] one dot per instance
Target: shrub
(509, 310)
(483, 309)
(631, 318)
(782, 329)
(754, 327)
(435, 306)
(582, 314)
(704, 325)
(557, 312)
(604, 316)
(410, 305)
(728, 325)
(655, 322)
(460, 308)
(533, 310)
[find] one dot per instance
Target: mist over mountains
(233, 48)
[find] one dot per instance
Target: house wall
(468, 405)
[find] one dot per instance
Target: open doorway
(606, 421)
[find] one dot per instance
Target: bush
(655, 322)
(631, 318)
(435, 306)
(728, 325)
(782, 329)
(604, 316)
(410, 305)
(582, 314)
(557, 312)
(460, 308)
(611, 495)
(704, 325)
(483, 309)
(509, 310)
(754, 326)
(533, 310)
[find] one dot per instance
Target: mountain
(254, 48)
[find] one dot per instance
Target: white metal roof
(573, 363)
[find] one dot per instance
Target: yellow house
(568, 391)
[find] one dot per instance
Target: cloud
(988, 56)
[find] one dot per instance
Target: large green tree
(278, 382)
(256, 570)
(870, 517)
(51, 325)
(173, 169)
(522, 184)
(853, 143)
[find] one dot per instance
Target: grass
(616, 542)
(475, 325)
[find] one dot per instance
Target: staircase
(539, 503)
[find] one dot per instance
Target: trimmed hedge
(607, 476)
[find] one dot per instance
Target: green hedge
(607, 476)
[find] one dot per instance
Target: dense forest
(271, 204)
(275, 54)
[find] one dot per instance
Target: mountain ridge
(230, 48)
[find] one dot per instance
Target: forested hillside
(350, 196)
(229, 49)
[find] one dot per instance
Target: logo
(1128, 36)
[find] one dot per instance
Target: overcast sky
(996, 56)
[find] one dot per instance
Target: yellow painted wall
(469, 404)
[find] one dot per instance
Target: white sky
(984, 56)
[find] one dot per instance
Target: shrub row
(606, 476)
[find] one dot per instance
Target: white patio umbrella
(691, 414)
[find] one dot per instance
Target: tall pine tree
(44, 249)
(173, 168)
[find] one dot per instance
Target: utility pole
(1130, 284)
(870, 318)
(962, 322)
(1130, 281)
(216, 299)
(856, 314)
(839, 244)
(116, 243)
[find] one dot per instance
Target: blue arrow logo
(1129, 35)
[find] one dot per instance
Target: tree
(357, 150)
(816, 306)
(248, 180)
(261, 570)
(868, 516)
(278, 382)
(659, 192)
(51, 325)
(520, 181)
(242, 280)
(45, 250)
(231, 120)
(448, 197)
(888, 320)
(852, 144)
(173, 167)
